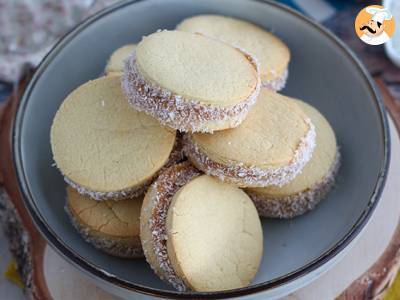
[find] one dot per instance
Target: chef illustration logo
(374, 25)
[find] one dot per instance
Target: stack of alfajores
(184, 143)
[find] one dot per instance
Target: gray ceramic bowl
(322, 72)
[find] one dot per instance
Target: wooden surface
(26, 243)
(367, 270)
(374, 283)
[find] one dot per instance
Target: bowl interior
(321, 73)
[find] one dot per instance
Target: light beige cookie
(199, 233)
(269, 148)
(115, 65)
(272, 54)
(314, 182)
(111, 226)
(190, 82)
(105, 149)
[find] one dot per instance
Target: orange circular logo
(374, 25)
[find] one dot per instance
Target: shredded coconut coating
(119, 247)
(164, 188)
(175, 156)
(278, 83)
(297, 204)
(177, 112)
(253, 176)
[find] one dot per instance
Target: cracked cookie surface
(111, 226)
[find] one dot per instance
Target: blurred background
(29, 29)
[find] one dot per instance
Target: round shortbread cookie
(199, 233)
(190, 82)
(110, 226)
(272, 54)
(215, 240)
(153, 218)
(115, 64)
(105, 149)
(269, 148)
(314, 182)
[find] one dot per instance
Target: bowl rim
(93, 270)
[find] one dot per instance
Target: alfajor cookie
(314, 182)
(115, 64)
(269, 148)
(272, 54)
(110, 226)
(190, 82)
(199, 233)
(105, 149)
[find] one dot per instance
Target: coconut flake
(163, 189)
(120, 247)
(297, 204)
(278, 83)
(253, 176)
(178, 112)
(175, 156)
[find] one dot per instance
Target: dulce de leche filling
(253, 176)
(165, 187)
(176, 111)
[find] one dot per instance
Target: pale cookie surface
(196, 68)
(116, 62)
(272, 54)
(267, 138)
(215, 239)
(110, 226)
(319, 165)
(111, 218)
(101, 144)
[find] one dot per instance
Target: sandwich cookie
(314, 182)
(105, 149)
(115, 64)
(199, 233)
(110, 226)
(190, 82)
(269, 148)
(272, 54)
